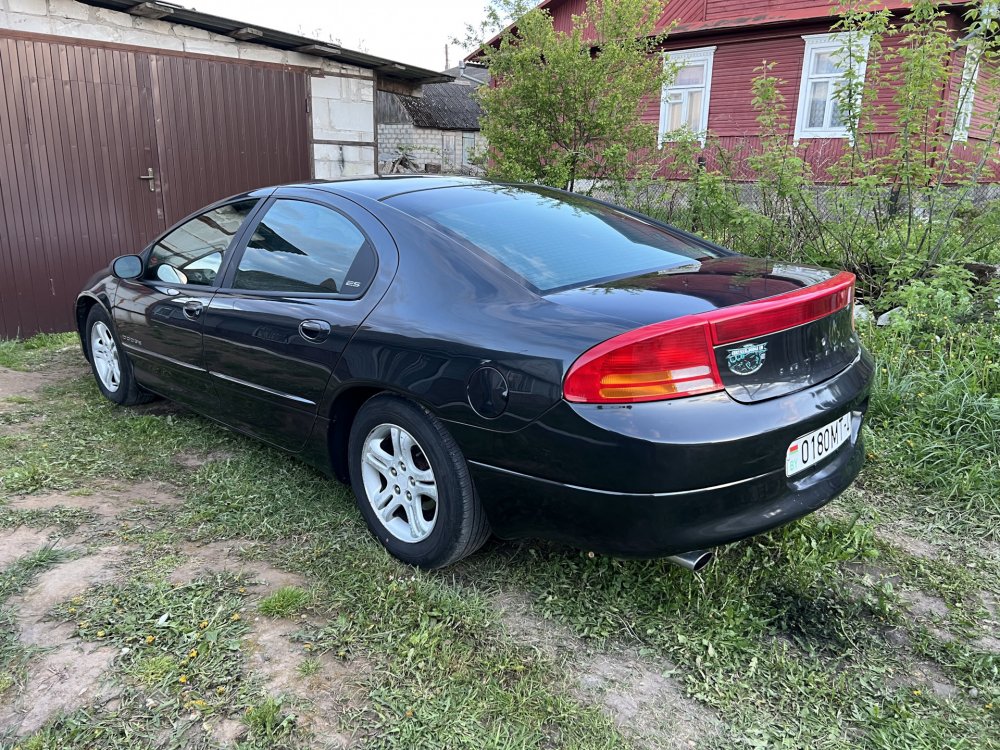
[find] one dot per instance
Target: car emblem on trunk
(747, 359)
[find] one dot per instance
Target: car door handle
(314, 330)
(192, 309)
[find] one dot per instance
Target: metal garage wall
(222, 128)
(81, 123)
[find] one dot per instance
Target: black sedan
(479, 358)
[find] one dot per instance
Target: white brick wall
(342, 107)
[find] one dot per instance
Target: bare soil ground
(639, 694)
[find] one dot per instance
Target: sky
(407, 31)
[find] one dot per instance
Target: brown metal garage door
(81, 124)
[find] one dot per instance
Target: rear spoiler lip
(831, 288)
(839, 289)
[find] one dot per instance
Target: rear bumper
(661, 478)
(654, 525)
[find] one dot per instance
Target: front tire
(412, 484)
(109, 363)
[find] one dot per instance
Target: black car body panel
(487, 352)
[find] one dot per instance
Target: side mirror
(127, 267)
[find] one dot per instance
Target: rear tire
(109, 363)
(412, 484)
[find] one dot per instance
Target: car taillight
(676, 358)
(653, 363)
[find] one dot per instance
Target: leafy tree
(567, 105)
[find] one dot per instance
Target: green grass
(30, 353)
(786, 637)
(181, 641)
(64, 517)
(309, 667)
(268, 723)
(285, 602)
(22, 571)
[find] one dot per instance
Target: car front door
(160, 315)
(309, 270)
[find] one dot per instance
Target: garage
(119, 118)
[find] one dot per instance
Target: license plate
(816, 445)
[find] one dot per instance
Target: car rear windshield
(550, 239)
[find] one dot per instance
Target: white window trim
(679, 57)
(821, 43)
(966, 94)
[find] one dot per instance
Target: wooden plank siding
(746, 34)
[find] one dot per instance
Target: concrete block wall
(442, 148)
(342, 95)
(343, 125)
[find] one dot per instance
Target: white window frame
(967, 94)
(823, 43)
(704, 55)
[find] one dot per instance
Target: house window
(828, 58)
(967, 93)
(684, 102)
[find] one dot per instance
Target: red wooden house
(720, 43)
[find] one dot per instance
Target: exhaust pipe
(693, 561)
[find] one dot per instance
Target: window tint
(305, 247)
(192, 253)
(553, 241)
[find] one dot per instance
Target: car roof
(380, 188)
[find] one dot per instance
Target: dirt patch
(195, 461)
(58, 585)
(24, 384)
(987, 643)
(925, 676)
(645, 702)
(225, 557)
(107, 504)
(59, 681)
(64, 675)
(321, 697)
(637, 693)
(925, 605)
(18, 542)
(226, 732)
(909, 544)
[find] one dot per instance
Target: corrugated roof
(271, 38)
(446, 106)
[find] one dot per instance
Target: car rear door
(309, 270)
(159, 316)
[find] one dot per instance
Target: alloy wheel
(104, 352)
(399, 483)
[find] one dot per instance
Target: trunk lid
(752, 367)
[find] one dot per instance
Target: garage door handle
(314, 330)
(192, 310)
(150, 177)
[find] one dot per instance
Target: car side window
(305, 247)
(192, 253)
